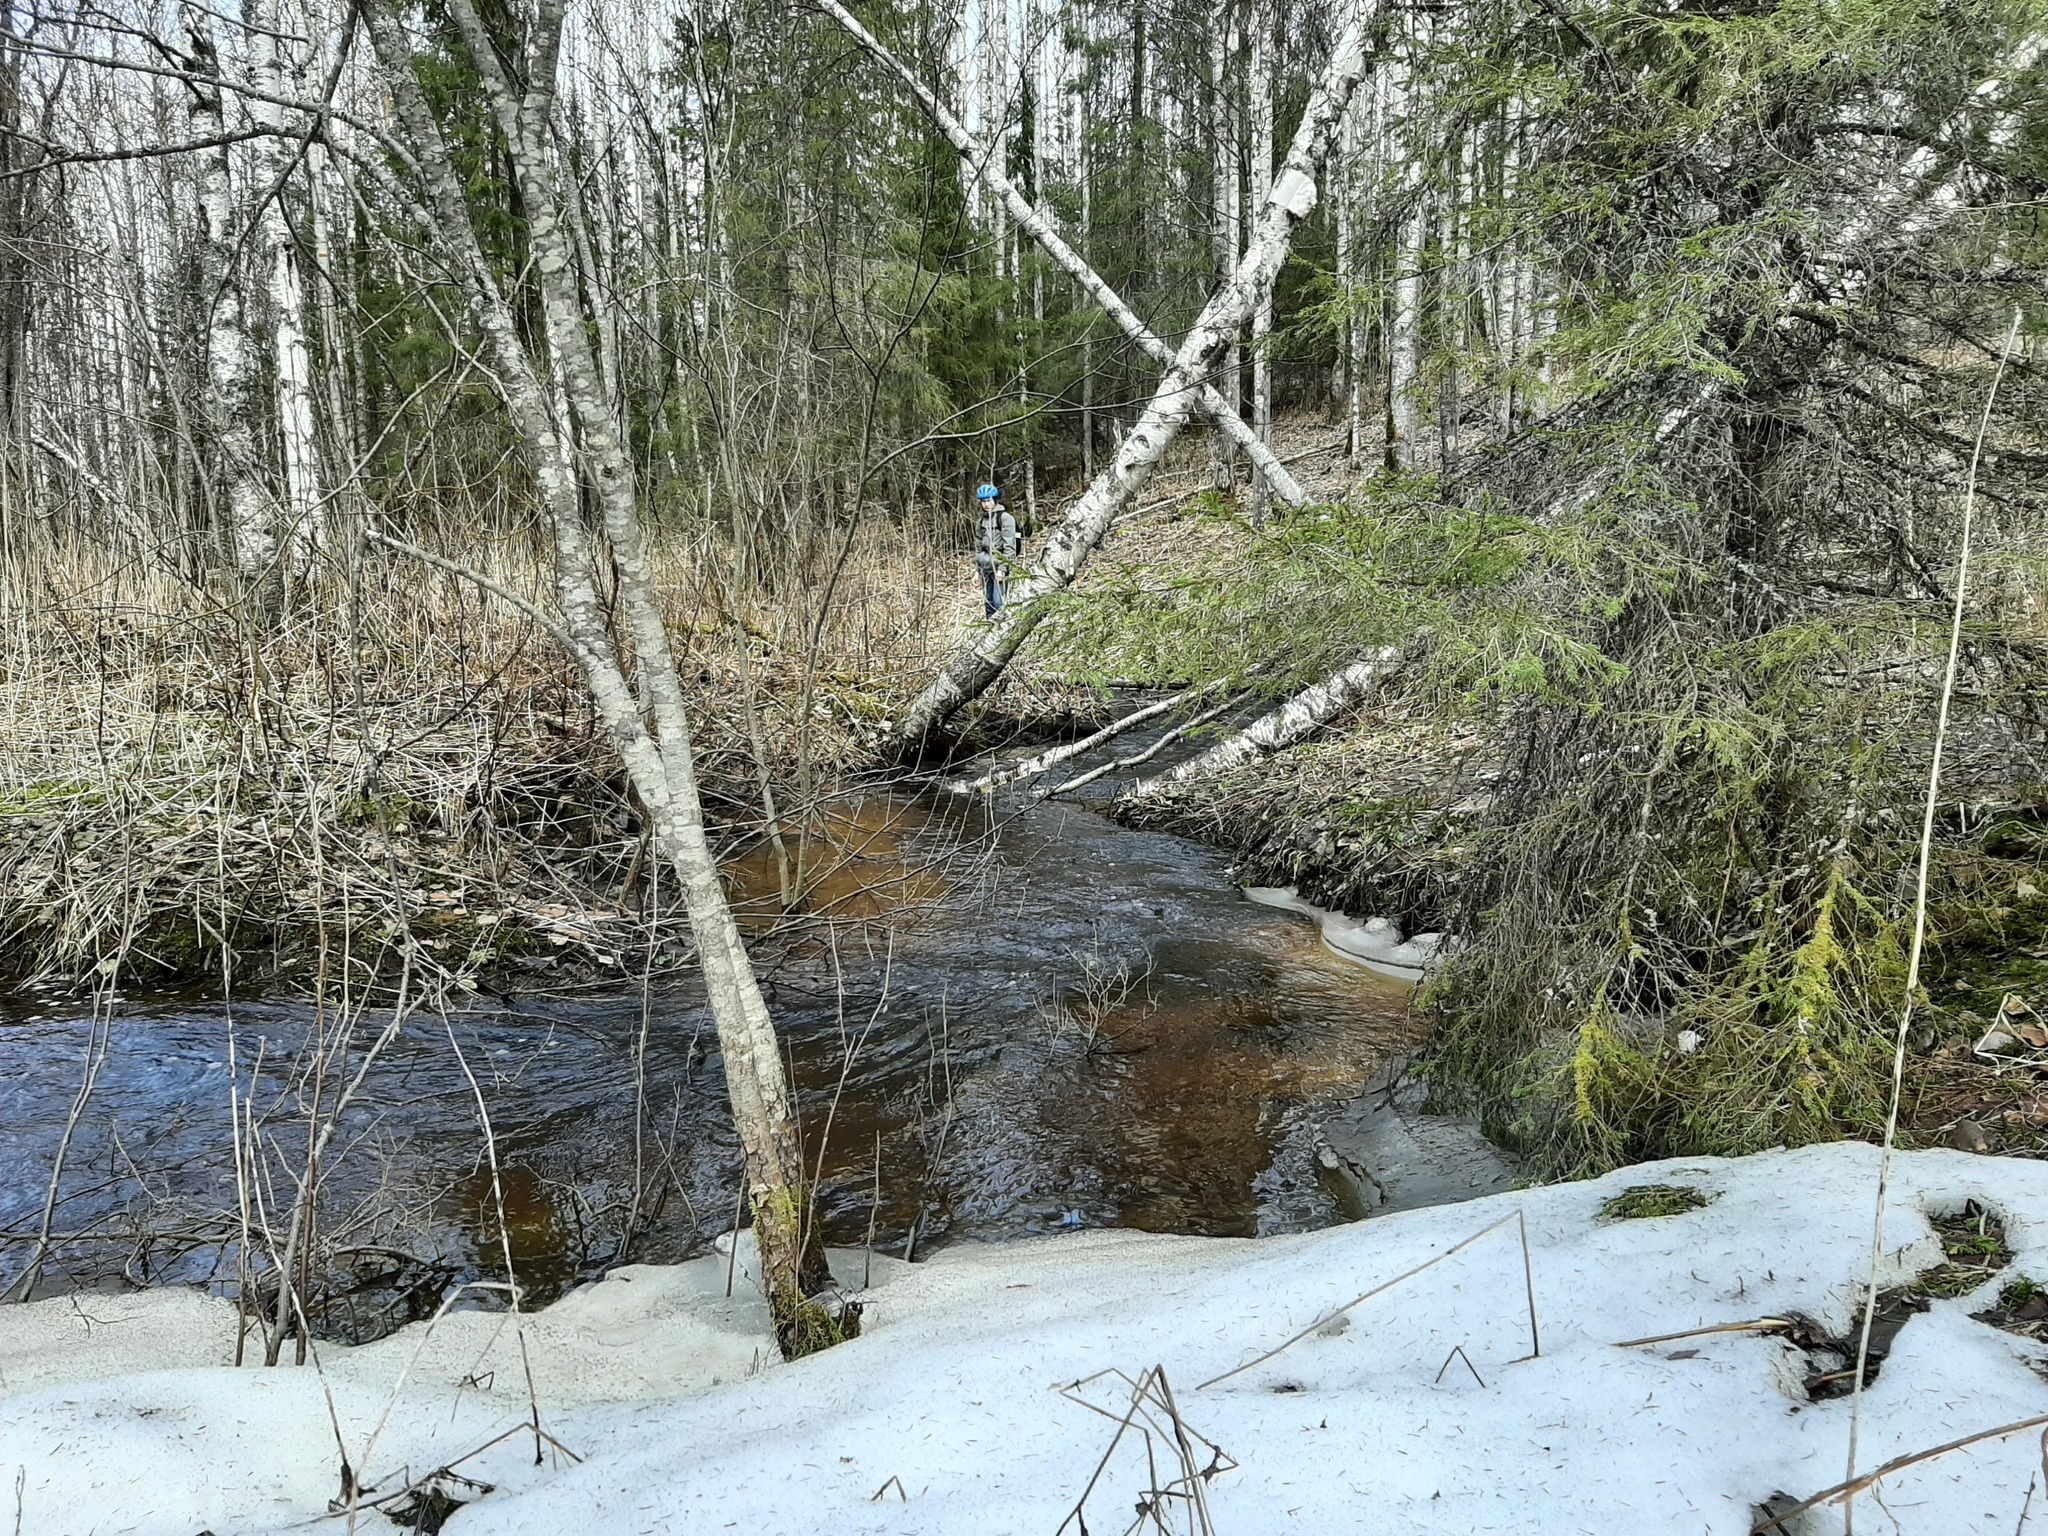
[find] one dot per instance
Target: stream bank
(1002, 1020)
(1391, 816)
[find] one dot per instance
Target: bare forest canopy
(450, 400)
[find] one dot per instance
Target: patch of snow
(1374, 942)
(950, 1402)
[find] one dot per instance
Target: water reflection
(996, 1025)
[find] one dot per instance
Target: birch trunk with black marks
(277, 255)
(640, 701)
(229, 397)
(1224, 213)
(1308, 711)
(979, 660)
(1261, 187)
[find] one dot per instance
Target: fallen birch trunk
(979, 661)
(1307, 711)
(1052, 757)
(1117, 765)
(1034, 223)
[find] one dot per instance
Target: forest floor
(415, 782)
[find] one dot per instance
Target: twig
(97, 1032)
(1754, 1325)
(1856, 1485)
(503, 593)
(1458, 1353)
(483, 1115)
(1891, 1122)
(867, 1277)
(1377, 1290)
(1529, 1284)
(732, 1247)
(1151, 1399)
(1165, 741)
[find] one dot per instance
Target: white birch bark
(229, 397)
(1034, 221)
(980, 659)
(1404, 340)
(278, 257)
(1231, 374)
(656, 752)
(1224, 212)
(1306, 712)
(1352, 346)
(1261, 93)
(1087, 172)
(1400, 154)
(1514, 277)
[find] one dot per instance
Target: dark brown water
(999, 1023)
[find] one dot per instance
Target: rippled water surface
(1000, 1022)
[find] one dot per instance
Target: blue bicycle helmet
(987, 493)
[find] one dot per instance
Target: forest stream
(1002, 1020)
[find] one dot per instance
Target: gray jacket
(997, 541)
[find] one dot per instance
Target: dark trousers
(991, 590)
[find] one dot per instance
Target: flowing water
(1000, 1022)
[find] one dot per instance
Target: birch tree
(276, 251)
(1226, 211)
(231, 399)
(630, 670)
(980, 659)
(983, 163)
(1261, 186)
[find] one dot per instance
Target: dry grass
(406, 770)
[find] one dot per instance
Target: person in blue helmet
(996, 546)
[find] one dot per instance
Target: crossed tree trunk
(631, 675)
(980, 659)
(985, 162)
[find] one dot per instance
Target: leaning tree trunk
(654, 742)
(1302, 715)
(980, 660)
(986, 164)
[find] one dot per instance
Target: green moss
(44, 795)
(1639, 1202)
(811, 1327)
(1973, 1248)
(2017, 1292)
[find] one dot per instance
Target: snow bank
(949, 1401)
(1374, 942)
